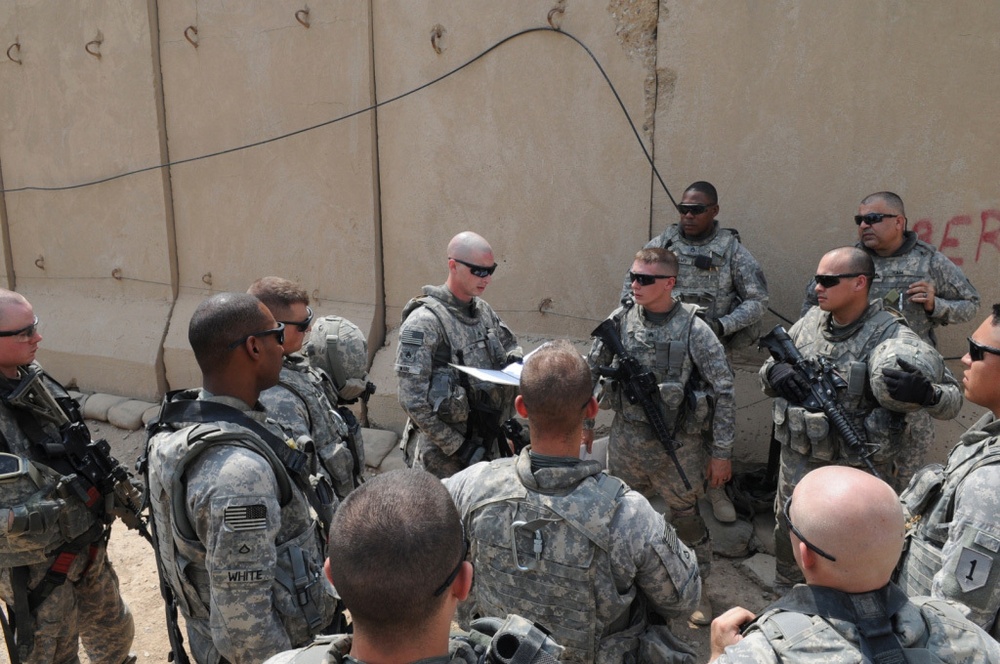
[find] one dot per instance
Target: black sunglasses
(831, 280)
(303, 325)
(454, 573)
(27, 331)
(809, 545)
(478, 270)
(693, 208)
(278, 332)
(647, 279)
(872, 218)
(977, 351)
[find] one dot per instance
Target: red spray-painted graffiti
(957, 238)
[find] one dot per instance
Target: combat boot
(722, 507)
(702, 615)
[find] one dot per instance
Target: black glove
(909, 385)
(788, 382)
(716, 326)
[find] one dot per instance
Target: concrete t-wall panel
(527, 146)
(301, 207)
(796, 110)
(94, 261)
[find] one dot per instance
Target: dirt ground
(132, 556)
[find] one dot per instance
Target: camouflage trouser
(87, 608)
(431, 458)
(638, 458)
(795, 466)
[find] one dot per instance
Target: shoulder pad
(412, 306)
(735, 233)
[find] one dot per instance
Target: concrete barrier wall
(794, 110)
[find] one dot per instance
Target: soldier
(847, 535)
(556, 540)
(454, 419)
(301, 399)
(55, 575)
(669, 338)
(239, 549)
(954, 513)
(398, 560)
(913, 277)
(845, 330)
(718, 274)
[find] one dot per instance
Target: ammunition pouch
(804, 432)
(700, 409)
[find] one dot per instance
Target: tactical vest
(665, 350)
(472, 341)
(810, 433)
(704, 276)
(48, 478)
(539, 555)
(930, 505)
(894, 274)
(326, 426)
(303, 598)
(799, 633)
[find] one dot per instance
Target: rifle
(639, 387)
(515, 433)
(823, 383)
(97, 474)
(482, 428)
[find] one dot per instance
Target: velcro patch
(246, 517)
(988, 542)
(245, 575)
(973, 570)
(411, 337)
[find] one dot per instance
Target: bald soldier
(913, 278)
(454, 418)
(846, 529)
(844, 331)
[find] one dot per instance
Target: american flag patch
(248, 517)
(411, 337)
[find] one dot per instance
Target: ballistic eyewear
(795, 531)
(872, 218)
(278, 332)
(831, 280)
(647, 279)
(977, 351)
(454, 573)
(25, 333)
(303, 325)
(693, 208)
(478, 270)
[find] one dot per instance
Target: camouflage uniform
(240, 549)
(300, 403)
(807, 439)
(929, 630)
(694, 375)
(333, 650)
(574, 550)
(438, 329)
(955, 299)
(954, 537)
(720, 275)
(87, 606)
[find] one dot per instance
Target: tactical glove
(909, 385)
(788, 383)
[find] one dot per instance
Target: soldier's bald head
(468, 246)
(9, 298)
(855, 517)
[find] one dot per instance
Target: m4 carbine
(640, 387)
(823, 383)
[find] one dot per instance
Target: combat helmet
(915, 351)
(338, 347)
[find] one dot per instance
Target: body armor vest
(930, 505)
(539, 555)
(704, 276)
(894, 276)
(810, 433)
(303, 599)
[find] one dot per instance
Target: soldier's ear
(519, 406)
(463, 582)
(590, 410)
